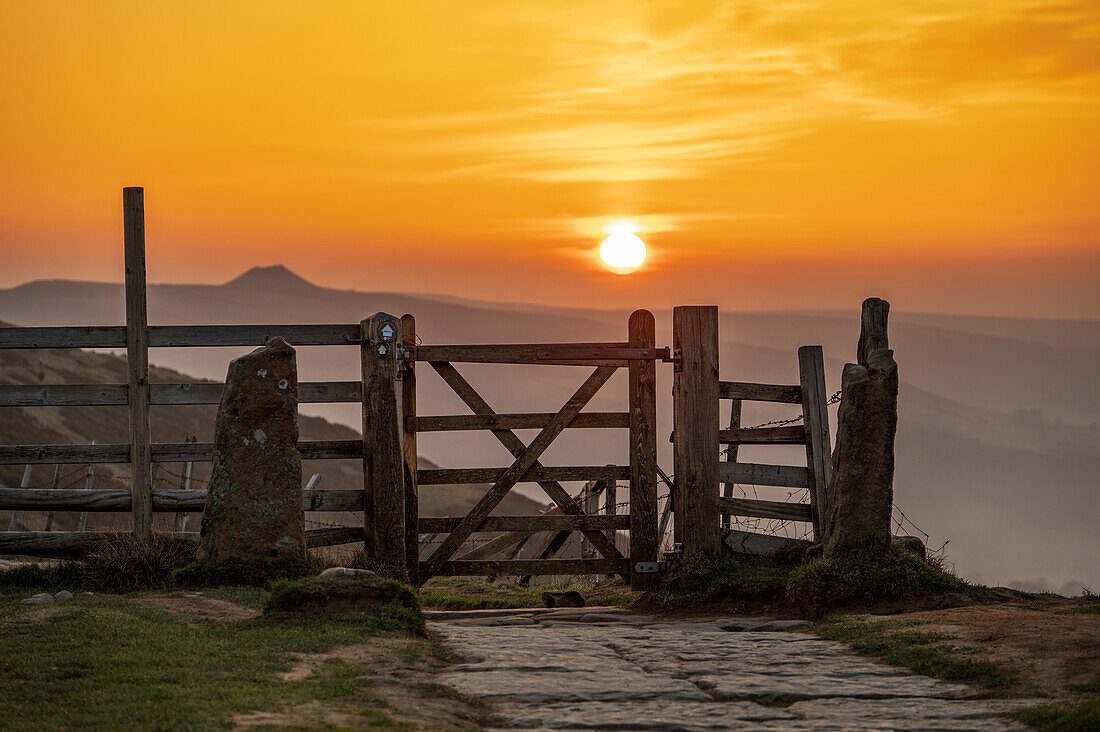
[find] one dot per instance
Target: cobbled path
(603, 669)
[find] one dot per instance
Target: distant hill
(44, 425)
(998, 442)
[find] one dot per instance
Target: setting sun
(622, 251)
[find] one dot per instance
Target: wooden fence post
(137, 359)
(407, 375)
(695, 422)
(57, 472)
(25, 483)
(815, 412)
(643, 451)
(89, 484)
(383, 456)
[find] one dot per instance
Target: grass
(119, 563)
(1062, 717)
(815, 586)
(1092, 603)
(903, 644)
(251, 574)
(109, 662)
(386, 598)
(866, 575)
(453, 593)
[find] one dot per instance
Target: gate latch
(649, 567)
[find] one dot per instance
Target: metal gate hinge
(677, 360)
(649, 567)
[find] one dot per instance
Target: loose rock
(37, 599)
(347, 572)
(568, 598)
(63, 595)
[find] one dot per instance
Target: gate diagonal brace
(526, 458)
(514, 445)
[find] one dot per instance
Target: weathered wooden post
(643, 452)
(137, 359)
(383, 451)
(407, 375)
(731, 456)
(815, 411)
(89, 484)
(695, 422)
(25, 483)
(57, 472)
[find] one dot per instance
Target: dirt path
(202, 607)
(1052, 647)
(579, 669)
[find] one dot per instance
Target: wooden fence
(392, 529)
(138, 394)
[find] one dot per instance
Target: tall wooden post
(643, 451)
(407, 374)
(137, 359)
(815, 413)
(695, 421)
(383, 453)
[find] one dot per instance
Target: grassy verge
(453, 593)
(110, 662)
(812, 587)
(904, 644)
(1063, 717)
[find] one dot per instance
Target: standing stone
(860, 497)
(253, 507)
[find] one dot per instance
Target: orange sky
(782, 153)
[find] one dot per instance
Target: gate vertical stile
(643, 451)
(408, 443)
(811, 370)
(695, 423)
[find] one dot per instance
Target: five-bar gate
(391, 423)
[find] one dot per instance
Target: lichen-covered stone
(253, 507)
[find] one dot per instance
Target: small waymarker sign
(382, 350)
(387, 332)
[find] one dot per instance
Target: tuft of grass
(45, 575)
(931, 654)
(725, 576)
(867, 574)
(815, 586)
(1055, 717)
(249, 574)
(124, 563)
(120, 562)
(395, 605)
(1092, 603)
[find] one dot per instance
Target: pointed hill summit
(275, 278)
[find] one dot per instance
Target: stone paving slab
(692, 675)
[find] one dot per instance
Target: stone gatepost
(253, 507)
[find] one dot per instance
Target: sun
(622, 251)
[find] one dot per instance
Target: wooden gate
(393, 527)
(697, 391)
